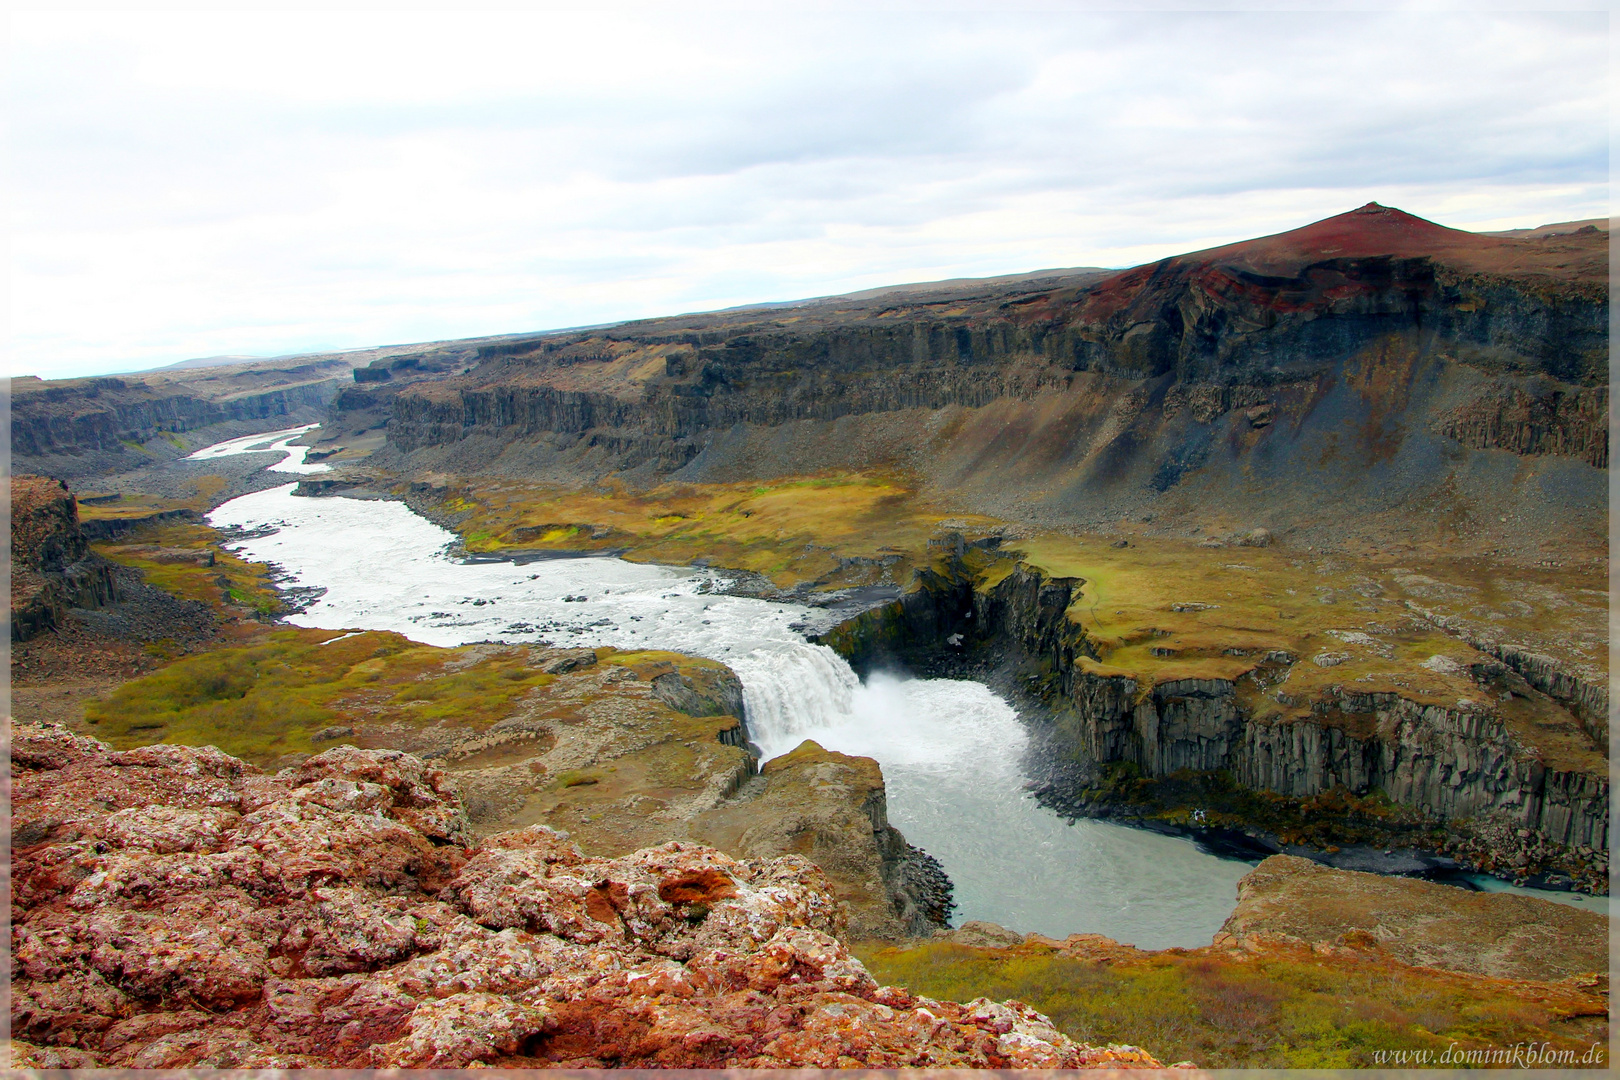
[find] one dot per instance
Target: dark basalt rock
(85, 415)
(1445, 763)
(1373, 357)
(53, 568)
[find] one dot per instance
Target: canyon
(1367, 720)
(1296, 546)
(1372, 360)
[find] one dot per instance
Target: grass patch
(1281, 1009)
(266, 699)
(171, 557)
(830, 531)
(261, 701)
(138, 504)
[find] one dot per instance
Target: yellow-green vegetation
(1284, 1008)
(261, 701)
(136, 504)
(1161, 610)
(1174, 609)
(270, 698)
(832, 531)
(130, 506)
(174, 557)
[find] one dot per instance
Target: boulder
(1289, 899)
(983, 935)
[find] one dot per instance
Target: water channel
(949, 749)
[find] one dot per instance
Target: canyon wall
(767, 377)
(109, 414)
(1375, 357)
(52, 567)
(1447, 762)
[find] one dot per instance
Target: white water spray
(950, 750)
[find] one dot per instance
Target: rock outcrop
(176, 908)
(52, 566)
(80, 416)
(832, 808)
(1291, 900)
(1315, 967)
(624, 750)
(1448, 762)
(1535, 419)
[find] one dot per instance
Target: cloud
(196, 184)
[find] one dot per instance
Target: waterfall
(792, 688)
(950, 751)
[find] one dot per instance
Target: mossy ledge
(1321, 763)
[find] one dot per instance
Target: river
(949, 749)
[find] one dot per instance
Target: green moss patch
(833, 531)
(261, 701)
(1281, 1009)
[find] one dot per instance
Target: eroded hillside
(1351, 377)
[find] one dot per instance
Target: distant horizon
(211, 183)
(231, 359)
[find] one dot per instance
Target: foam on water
(949, 750)
(950, 753)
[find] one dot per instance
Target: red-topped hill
(1301, 297)
(1376, 231)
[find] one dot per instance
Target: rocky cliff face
(52, 567)
(109, 414)
(1257, 312)
(1447, 762)
(1382, 356)
(176, 908)
(367, 401)
(833, 808)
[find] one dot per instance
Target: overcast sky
(196, 184)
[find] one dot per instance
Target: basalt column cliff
(1403, 426)
(1343, 376)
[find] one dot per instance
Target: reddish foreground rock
(174, 907)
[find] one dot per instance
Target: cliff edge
(52, 567)
(1294, 900)
(175, 907)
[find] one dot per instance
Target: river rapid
(949, 749)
